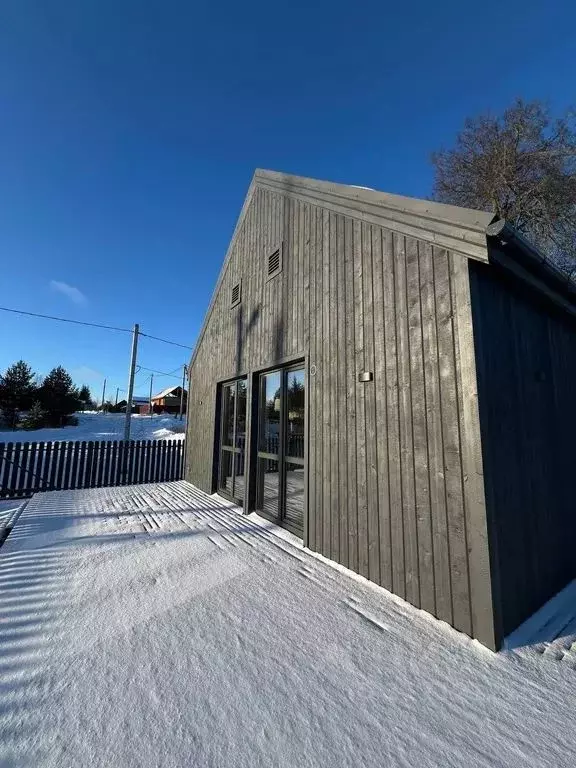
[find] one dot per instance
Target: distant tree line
(29, 402)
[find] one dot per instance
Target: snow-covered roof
(170, 391)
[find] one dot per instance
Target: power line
(161, 373)
(66, 320)
(165, 341)
(92, 325)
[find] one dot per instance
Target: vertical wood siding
(387, 486)
(526, 362)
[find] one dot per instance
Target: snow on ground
(156, 626)
(105, 426)
(8, 509)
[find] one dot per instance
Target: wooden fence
(26, 468)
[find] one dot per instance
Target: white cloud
(74, 294)
(86, 375)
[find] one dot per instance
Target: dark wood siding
(526, 364)
(392, 491)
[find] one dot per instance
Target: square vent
(274, 262)
(236, 295)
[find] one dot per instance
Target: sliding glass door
(231, 477)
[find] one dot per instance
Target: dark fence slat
(8, 460)
(26, 469)
(62, 453)
(102, 464)
(150, 452)
(54, 456)
(153, 460)
(89, 464)
(81, 479)
(66, 464)
(128, 462)
(112, 456)
(156, 455)
(38, 482)
(167, 461)
(2, 469)
(109, 462)
(74, 464)
(115, 474)
(146, 460)
(175, 455)
(139, 456)
(14, 465)
(46, 466)
(98, 464)
(163, 455)
(171, 453)
(22, 476)
(130, 457)
(71, 464)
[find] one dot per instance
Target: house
(137, 403)
(167, 401)
(391, 379)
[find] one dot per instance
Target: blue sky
(129, 132)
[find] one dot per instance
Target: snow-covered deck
(156, 626)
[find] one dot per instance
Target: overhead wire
(165, 341)
(65, 320)
(92, 325)
(161, 373)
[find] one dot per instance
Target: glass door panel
(281, 449)
(270, 413)
(228, 408)
(295, 413)
(233, 440)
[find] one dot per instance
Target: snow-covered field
(105, 426)
(155, 626)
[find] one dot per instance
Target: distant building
(167, 401)
(137, 403)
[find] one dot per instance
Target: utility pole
(116, 401)
(131, 381)
(182, 392)
(150, 398)
(103, 395)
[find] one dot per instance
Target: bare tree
(521, 166)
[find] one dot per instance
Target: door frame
(231, 449)
(283, 368)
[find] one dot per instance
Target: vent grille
(275, 262)
(236, 295)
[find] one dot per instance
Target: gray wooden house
(391, 379)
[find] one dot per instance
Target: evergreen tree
(59, 397)
(86, 397)
(17, 392)
(35, 418)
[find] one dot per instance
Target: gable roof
(135, 401)
(462, 230)
(167, 392)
